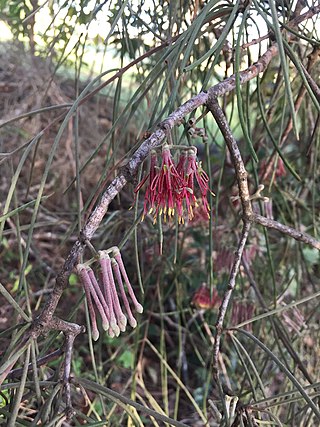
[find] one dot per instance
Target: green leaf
(311, 255)
(73, 279)
(126, 359)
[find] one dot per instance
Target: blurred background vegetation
(51, 176)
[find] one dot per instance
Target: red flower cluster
(170, 187)
(242, 310)
(105, 295)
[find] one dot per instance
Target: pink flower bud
(105, 261)
(138, 307)
(84, 277)
(115, 267)
(99, 299)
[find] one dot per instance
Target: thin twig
(129, 171)
(248, 217)
(285, 229)
(227, 295)
(71, 330)
(16, 373)
(241, 175)
(238, 164)
(66, 374)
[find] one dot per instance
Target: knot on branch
(166, 125)
(70, 413)
(82, 238)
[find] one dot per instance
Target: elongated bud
(116, 270)
(98, 299)
(111, 333)
(104, 260)
(137, 305)
(95, 333)
(99, 292)
(84, 277)
(121, 318)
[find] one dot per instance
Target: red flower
(280, 171)
(181, 165)
(202, 299)
(195, 172)
(149, 199)
(164, 188)
(242, 310)
(266, 170)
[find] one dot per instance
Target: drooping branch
(131, 168)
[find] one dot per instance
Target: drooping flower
(149, 198)
(223, 260)
(200, 216)
(117, 256)
(165, 187)
(273, 166)
(116, 269)
(280, 171)
(192, 172)
(171, 190)
(91, 296)
(196, 173)
(250, 252)
(181, 165)
(118, 320)
(294, 319)
(186, 199)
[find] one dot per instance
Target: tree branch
(285, 229)
(16, 373)
(241, 175)
(227, 295)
